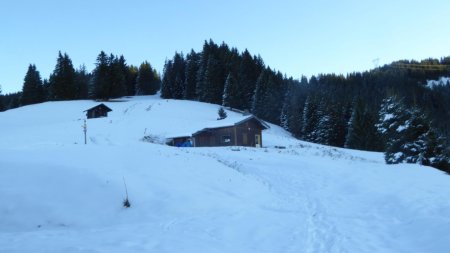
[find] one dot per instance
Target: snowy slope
(59, 195)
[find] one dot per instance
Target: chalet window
(226, 139)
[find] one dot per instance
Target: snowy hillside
(59, 195)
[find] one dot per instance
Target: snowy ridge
(59, 195)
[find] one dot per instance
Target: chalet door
(257, 140)
(244, 139)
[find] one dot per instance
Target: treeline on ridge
(111, 78)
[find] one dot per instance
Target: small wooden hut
(247, 132)
(98, 111)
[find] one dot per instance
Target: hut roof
(233, 123)
(191, 126)
(103, 106)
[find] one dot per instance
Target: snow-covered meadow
(59, 195)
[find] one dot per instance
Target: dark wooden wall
(240, 135)
(97, 113)
(250, 129)
(213, 137)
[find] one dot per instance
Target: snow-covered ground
(59, 195)
(440, 82)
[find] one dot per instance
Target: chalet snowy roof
(103, 106)
(234, 123)
(227, 122)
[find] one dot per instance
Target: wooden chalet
(247, 132)
(98, 111)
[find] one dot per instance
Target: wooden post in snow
(85, 131)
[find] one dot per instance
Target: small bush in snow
(126, 203)
(222, 113)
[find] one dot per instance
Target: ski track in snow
(321, 234)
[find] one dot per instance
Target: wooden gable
(98, 111)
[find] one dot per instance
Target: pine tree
(117, 71)
(192, 67)
(174, 77)
(268, 96)
(410, 138)
(14, 100)
(259, 95)
(179, 72)
(213, 82)
(82, 78)
(46, 87)
(434, 152)
(356, 133)
(230, 96)
(147, 83)
(324, 129)
(129, 74)
(200, 86)
(156, 82)
(222, 114)
(131, 80)
(361, 133)
(413, 136)
(62, 80)
(101, 85)
(391, 124)
(310, 119)
(295, 118)
(340, 116)
(167, 81)
(249, 71)
(292, 109)
(32, 90)
(284, 117)
(274, 97)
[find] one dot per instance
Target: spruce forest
(392, 108)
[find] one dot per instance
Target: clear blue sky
(294, 36)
